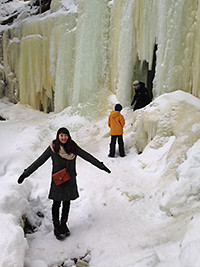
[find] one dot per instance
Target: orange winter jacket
(116, 123)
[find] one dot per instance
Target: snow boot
(58, 231)
(64, 228)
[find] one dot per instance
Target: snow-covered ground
(145, 213)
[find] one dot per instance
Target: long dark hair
(70, 146)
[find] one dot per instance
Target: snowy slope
(139, 215)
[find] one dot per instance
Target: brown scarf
(63, 153)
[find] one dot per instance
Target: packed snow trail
(113, 216)
(110, 215)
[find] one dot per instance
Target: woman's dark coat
(68, 190)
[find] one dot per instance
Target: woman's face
(63, 138)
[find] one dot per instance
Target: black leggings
(56, 208)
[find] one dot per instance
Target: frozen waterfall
(78, 49)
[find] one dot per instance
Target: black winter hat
(118, 107)
(64, 131)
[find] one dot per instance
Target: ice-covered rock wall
(79, 48)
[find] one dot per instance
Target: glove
(21, 178)
(106, 169)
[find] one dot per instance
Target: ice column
(35, 81)
(178, 53)
(62, 44)
(121, 50)
(90, 73)
(11, 48)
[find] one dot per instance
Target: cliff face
(60, 53)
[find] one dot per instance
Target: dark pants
(56, 208)
(114, 138)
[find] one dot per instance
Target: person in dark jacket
(141, 97)
(116, 123)
(63, 150)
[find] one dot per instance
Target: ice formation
(79, 48)
(166, 121)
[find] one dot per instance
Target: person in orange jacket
(116, 123)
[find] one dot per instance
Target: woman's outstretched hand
(21, 178)
(106, 169)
